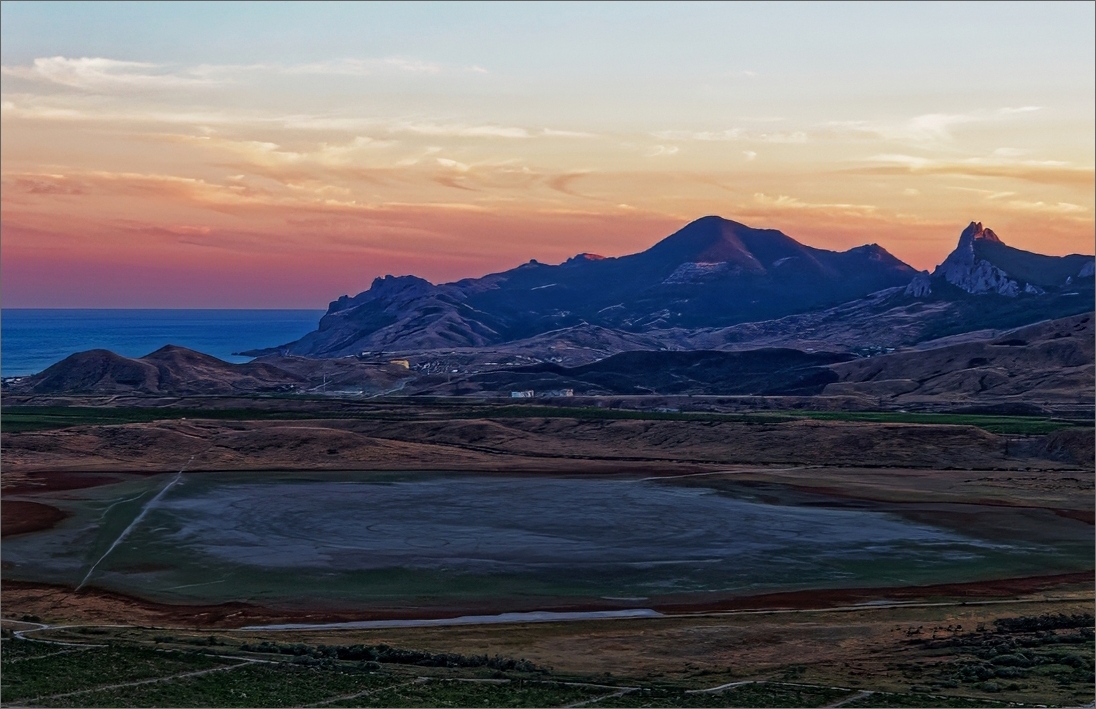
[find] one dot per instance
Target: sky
(220, 155)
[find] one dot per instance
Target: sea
(33, 339)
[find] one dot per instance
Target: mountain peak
(712, 272)
(965, 268)
(975, 232)
(982, 263)
(713, 239)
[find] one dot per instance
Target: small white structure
(527, 394)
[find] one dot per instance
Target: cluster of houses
(529, 393)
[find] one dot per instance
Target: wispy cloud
(729, 134)
(1046, 207)
(453, 165)
(100, 74)
(372, 67)
(96, 74)
(45, 108)
(732, 134)
(987, 194)
(785, 202)
(553, 133)
(1042, 171)
(42, 184)
(928, 128)
(460, 131)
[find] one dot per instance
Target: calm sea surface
(33, 339)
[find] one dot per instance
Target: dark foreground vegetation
(1014, 652)
(376, 654)
(991, 665)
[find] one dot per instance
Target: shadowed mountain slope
(757, 372)
(169, 370)
(982, 285)
(1048, 362)
(713, 272)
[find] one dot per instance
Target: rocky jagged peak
(920, 286)
(396, 284)
(976, 232)
(578, 258)
(389, 288)
(988, 235)
(966, 269)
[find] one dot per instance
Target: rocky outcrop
(696, 272)
(975, 275)
(982, 264)
(920, 286)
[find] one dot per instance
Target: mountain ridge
(712, 272)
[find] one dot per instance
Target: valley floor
(1023, 640)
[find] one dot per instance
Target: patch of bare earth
(20, 517)
(532, 444)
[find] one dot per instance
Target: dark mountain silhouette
(169, 370)
(712, 273)
(717, 307)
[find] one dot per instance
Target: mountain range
(717, 307)
(715, 284)
(712, 273)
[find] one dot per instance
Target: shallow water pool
(427, 539)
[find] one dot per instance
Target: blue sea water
(33, 339)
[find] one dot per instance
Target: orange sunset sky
(252, 155)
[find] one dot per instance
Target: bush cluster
(388, 654)
(1031, 624)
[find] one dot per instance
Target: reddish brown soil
(90, 605)
(22, 483)
(1086, 516)
(829, 598)
(19, 517)
(532, 444)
